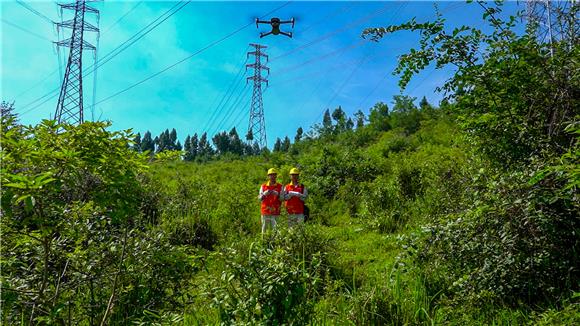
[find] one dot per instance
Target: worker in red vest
(271, 196)
(295, 194)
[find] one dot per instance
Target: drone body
(275, 23)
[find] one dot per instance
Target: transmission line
(229, 89)
(229, 111)
(123, 16)
(57, 69)
(34, 11)
(187, 57)
(328, 35)
(109, 56)
(24, 30)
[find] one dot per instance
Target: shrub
(275, 282)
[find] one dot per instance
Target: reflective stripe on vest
(294, 205)
(271, 203)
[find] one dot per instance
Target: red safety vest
(294, 205)
(271, 203)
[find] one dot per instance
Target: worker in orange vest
(295, 193)
(271, 196)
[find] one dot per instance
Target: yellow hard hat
(294, 171)
(272, 171)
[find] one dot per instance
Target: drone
(275, 22)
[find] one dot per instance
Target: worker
(295, 194)
(271, 196)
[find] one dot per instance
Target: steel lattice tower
(257, 126)
(70, 101)
(547, 16)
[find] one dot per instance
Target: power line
(211, 123)
(34, 11)
(53, 72)
(215, 127)
(240, 117)
(187, 58)
(25, 30)
(123, 16)
(230, 88)
(335, 94)
(120, 48)
(346, 48)
(328, 35)
(37, 84)
(448, 8)
(235, 105)
(337, 12)
(136, 37)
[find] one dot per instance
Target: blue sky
(324, 65)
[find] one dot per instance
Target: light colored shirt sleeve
(282, 195)
(304, 194)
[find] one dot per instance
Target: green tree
(360, 119)
(340, 118)
(172, 145)
(147, 144)
(508, 115)
(379, 118)
(285, 145)
(516, 98)
(72, 199)
(221, 142)
(137, 143)
(7, 111)
(405, 114)
(299, 133)
(187, 149)
(349, 124)
(326, 122)
(194, 146)
(236, 144)
(277, 145)
(204, 151)
(163, 142)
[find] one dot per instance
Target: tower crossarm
(257, 66)
(67, 43)
(257, 79)
(71, 24)
(257, 53)
(73, 6)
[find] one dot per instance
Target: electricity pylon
(257, 126)
(69, 108)
(554, 21)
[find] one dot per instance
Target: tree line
(404, 114)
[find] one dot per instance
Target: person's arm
(282, 194)
(287, 195)
(304, 194)
(261, 194)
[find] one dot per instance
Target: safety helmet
(272, 171)
(294, 171)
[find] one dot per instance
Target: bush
(275, 282)
(76, 249)
(516, 245)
